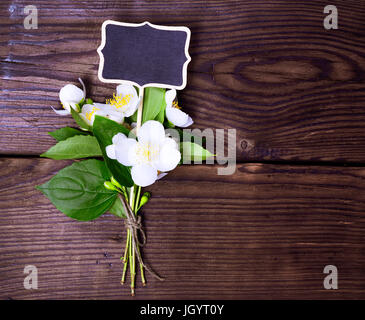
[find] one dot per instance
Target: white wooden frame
(159, 85)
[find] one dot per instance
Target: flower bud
(70, 96)
(110, 186)
(116, 183)
(146, 196)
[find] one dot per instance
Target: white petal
(74, 106)
(118, 138)
(161, 175)
(132, 107)
(109, 112)
(124, 152)
(105, 107)
(176, 116)
(61, 112)
(169, 157)
(88, 113)
(89, 122)
(83, 87)
(170, 96)
(67, 107)
(101, 105)
(188, 123)
(133, 156)
(124, 90)
(87, 108)
(110, 151)
(169, 142)
(143, 175)
(151, 132)
(71, 94)
(118, 119)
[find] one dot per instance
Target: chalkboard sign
(144, 55)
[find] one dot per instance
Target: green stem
(131, 247)
(136, 205)
(133, 272)
(141, 269)
(132, 196)
(127, 244)
(125, 193)
(130, 250)
(131, 263)
(125, 258)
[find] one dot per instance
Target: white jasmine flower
(89, 111)
(70, 97)
(173, 113)
(125, 100)
(151, 155)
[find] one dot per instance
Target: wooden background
(294, 91)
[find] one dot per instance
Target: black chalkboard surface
(144, 54)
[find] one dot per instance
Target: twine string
(134, 224)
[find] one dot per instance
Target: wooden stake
(139, 111)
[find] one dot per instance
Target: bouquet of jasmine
(132, 138)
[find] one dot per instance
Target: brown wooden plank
(265, 232)
(293, 90)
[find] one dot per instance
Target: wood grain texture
(266, 232)
(293, 90)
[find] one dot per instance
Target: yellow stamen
(119, 101)
(175, 105)
(146, 152)
(88, 115)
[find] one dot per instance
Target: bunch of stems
(130, 251)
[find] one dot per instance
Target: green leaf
(153, 103)
(117, 209)
(74, 148)
(193, 151)
(66, 132)
(104, 130)
(80, 104)
(161, 116)
(81, 122)
(168, 125)
(78, 190)
(133, 118)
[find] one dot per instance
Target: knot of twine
(134, 224)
